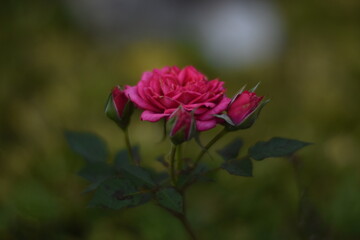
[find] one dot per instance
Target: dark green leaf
(88, 145)
(137, 174)
(189, 176)
(96, 173)
(123, 158)
(117, 193)
(170, 199)
(276, 147)
(239, 167)
(231, 150)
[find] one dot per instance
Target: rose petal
(152, 117)
(222, 106)
(132, 93)
(205, 125)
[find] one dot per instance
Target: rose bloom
(160, 92)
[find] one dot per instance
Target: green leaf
(189, 176)
(96, 173)
(239, 167)
(122, 157)
(276, 147)
(140, 176)
(88, 145)
(116, 194)
(170, 199)
(231, 150)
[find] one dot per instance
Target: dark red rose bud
(243, 110)
(182, 126)
(242, 106)
(119, 108)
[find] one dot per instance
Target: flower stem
(187, 226)
(172, 164)
(184, 221)
(208, 146)
(179, 158)
(128, 146)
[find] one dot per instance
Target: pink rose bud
(242, 106)
(243, 110)
(182, 125)
(119, 108)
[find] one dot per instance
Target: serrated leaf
(117, 193)
(189, 176)
(170, 199)
(276, 147)
(239, 167)
(137, 174)
(122, 157)
(96, 173)
(231, 150)
(88, 145)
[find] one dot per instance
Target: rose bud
(119, 108)
(243, 110)
(182, 126)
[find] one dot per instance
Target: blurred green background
(59, 60)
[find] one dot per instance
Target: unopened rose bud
(182, 126)
(243, 110)
(119, 108)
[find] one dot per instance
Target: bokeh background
(59, 59)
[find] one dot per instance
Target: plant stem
(128, 146)
(208, 146)
(172, 164)
(179, 158)
(184, 222)
(187, 226)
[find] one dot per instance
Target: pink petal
(152, 117)
(222, 106)
(205, 125)
(132, 93)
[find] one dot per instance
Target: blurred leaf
(231, 150)
(88, 145)
(122, 157)
(276, 147)
(239, 167)
(161, 159)
(117, 193)
(170, 199)
(140, 176)
(96, 173)
(189, 176)
(34, 199)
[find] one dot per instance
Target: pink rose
(160, 92)
(242, 106)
